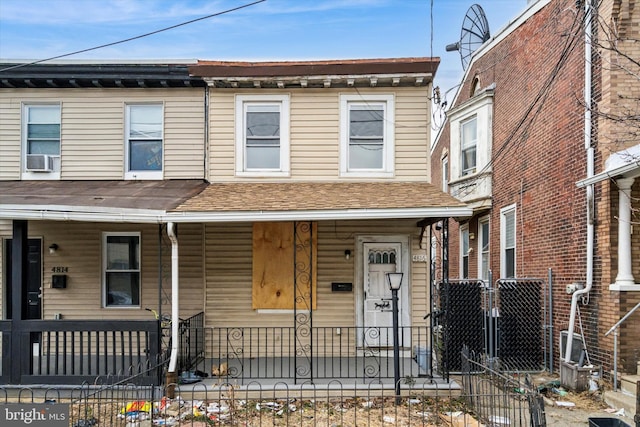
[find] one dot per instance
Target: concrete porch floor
(353, 375)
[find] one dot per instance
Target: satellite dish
(474, 32)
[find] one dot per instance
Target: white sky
(271, 30)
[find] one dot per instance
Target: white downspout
(175, 320)
(590, 167)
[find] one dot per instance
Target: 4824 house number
(59, 269)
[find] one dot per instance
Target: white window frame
(445, 174)
(141, 174)
(480, 107)
(464, 254)
(26, 174)
(504, 245)
(105, 236)
(469, 145)
(482, 274)
(283, 102)
(388, 154)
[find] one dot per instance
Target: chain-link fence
(506, 322)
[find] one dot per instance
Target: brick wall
(538, 155)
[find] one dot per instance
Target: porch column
(19, 271)
(625, 275)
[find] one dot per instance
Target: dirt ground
(575, 409)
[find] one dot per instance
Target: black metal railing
(75, 351)
(498, 395)
(249, 353)
(191, 342)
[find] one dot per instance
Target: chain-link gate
(506, 322)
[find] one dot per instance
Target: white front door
(379, 259)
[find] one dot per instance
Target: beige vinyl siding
(92, 131)
(413, 121)
(80, 249)
(222, 143)
(315, 132)
(228, 274)
(9, 136)
(228, 286)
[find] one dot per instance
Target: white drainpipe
(590, 167)
(175, 320)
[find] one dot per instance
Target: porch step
(628, 383)
(621, 400)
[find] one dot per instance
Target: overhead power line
(136, 37)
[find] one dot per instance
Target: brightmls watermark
(34, 414)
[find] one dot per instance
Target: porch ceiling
(196, 201)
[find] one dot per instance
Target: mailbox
(59, 281)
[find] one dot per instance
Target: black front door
(31, 298)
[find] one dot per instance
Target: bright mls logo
(34, 414)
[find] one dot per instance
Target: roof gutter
(75, 213)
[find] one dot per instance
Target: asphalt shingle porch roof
(306, 196)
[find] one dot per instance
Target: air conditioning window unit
(39, 163)
(577, 347)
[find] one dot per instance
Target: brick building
(549, 202)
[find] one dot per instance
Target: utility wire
(136, 37)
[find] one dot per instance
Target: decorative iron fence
(499, 398)
(251, 353)
(486, 398)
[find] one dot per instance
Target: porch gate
(506, 322)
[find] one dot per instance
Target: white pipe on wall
(590, 161)
(175, 320)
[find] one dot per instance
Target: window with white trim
(483, 248)
(144, 141)
(262, 135)
(121, 269)
(468, 143)
(464, 251)
(41, 140)
(367, 135)
(471, 137)
(508, 242)
(445, 174)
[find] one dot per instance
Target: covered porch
(329, 326)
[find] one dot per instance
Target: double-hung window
(464, 251)
(41, 133)
(121, 269)
(262, 135)
(468, 143)
(483, 242)
(508, 241)
(367, 135)
(445, 174)
(144, 140)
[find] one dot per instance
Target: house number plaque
(59, 269)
